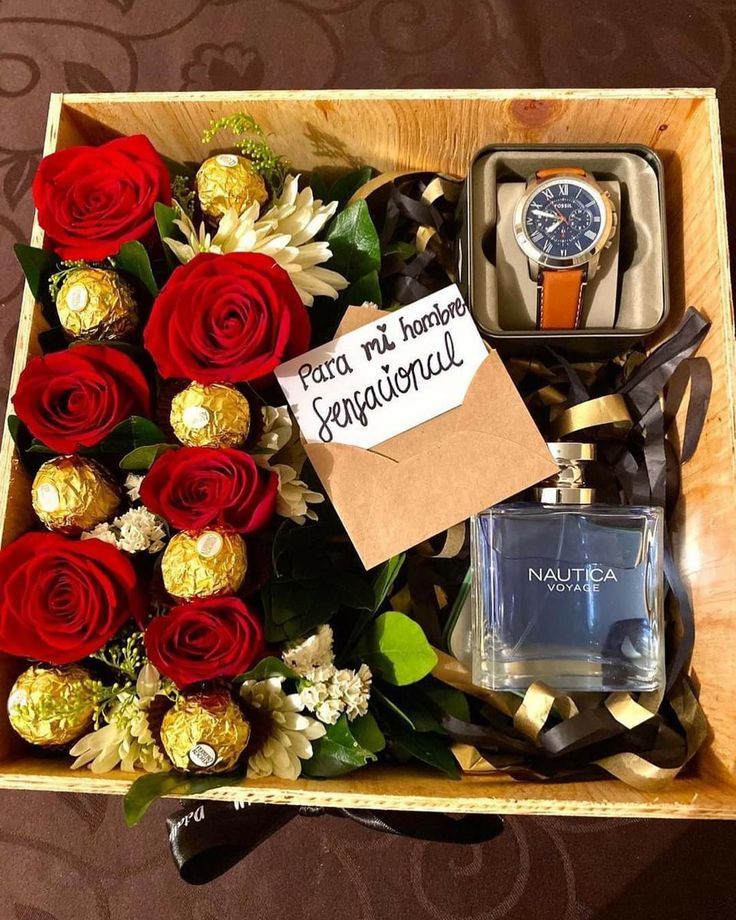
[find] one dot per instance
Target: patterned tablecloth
(69, 857)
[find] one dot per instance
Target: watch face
(564, 219)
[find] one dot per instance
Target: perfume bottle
(567, 591)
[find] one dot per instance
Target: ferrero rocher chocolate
(96, 303)
(52, 707)
(211, 415)
(204, 563)
(228, 181)
(205, 732)
(71, 493)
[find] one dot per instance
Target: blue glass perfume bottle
(566, 591)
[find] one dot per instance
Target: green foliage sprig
(184, 195)
(252, 142)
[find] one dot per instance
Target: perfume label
(388, 376)
(574, 579)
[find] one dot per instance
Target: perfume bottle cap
(568, 486)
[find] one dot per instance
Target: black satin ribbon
(209, 838)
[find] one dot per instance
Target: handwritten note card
(388, 376)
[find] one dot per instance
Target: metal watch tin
(585, 343)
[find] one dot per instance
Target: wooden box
(395, 130)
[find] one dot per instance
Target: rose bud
(218, 637)
(226, 319)
(73, 399)
(62, 600)
(197, 487)
(91, 200)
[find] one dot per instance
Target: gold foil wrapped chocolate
(211, 415)
(228, 181)
(72, 493)
(96, 303)
(52, 707)
(205, 732)
(204, 563)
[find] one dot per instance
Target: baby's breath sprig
(183, 194)
(251, 141)
(126, 655)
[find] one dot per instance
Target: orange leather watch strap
(561, 298)
(560, 171)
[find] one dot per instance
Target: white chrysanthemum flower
(133, 487)
(313, 653)
(276, 433)
(289, 733)
(126, 740)
(294, 495)
(285, 232)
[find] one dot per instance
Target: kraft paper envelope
(421, 482)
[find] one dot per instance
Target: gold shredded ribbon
(594, 413)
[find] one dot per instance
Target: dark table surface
(69, 857)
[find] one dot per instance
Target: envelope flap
(387, 504)
(492, 403)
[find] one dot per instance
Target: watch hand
(538, 213)
(555, 225)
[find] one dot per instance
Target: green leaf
(445, 699)
(367, 733)
(38, 447)
(320, 184)
(146, 789)
(413, 707)
(133, 260)
(390, 707)
(385, 578)
(142, 458)
(134, 432)
(427, 747)
(15, 427)
(365, 290)
(395, 648)
(165, 217)
(337, 753)
(356, 249)
(268, 667)
(346, 186)
(401, 249)
(38, 265)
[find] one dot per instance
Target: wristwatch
(562, 223)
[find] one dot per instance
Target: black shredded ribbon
(644, 468)
(209, 838)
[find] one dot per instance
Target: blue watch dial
(564, 219)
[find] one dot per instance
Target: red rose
(61, 599)
(218, 637)
(196, 487)
(73, 399)
(91, 200)
(226, 319)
